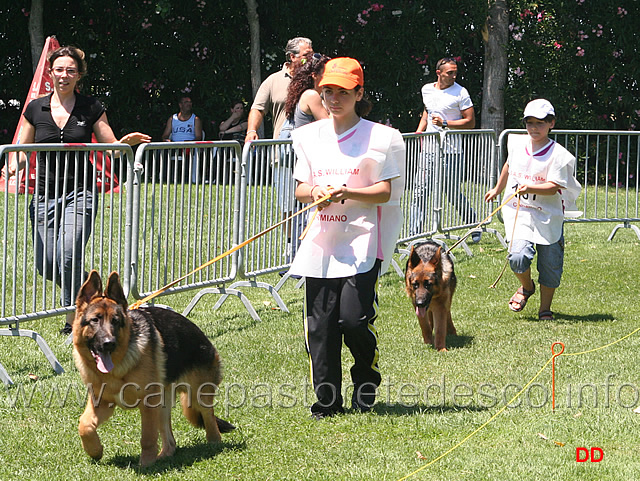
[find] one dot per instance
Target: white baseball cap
(538, 108)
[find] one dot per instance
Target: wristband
(252, 131)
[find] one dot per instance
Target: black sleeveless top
(78, 129)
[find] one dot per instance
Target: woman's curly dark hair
(303, 80)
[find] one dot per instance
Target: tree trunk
(495, 34)
(254, 29)
(36, 31)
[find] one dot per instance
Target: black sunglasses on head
(444, 60)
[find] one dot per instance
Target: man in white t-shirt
(447, 105)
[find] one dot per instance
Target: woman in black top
(235, 127)
(64, 191)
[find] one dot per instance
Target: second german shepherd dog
(142, 358)
(430, 283)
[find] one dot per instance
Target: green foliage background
(580, 54)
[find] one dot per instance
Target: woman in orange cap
(360, 165)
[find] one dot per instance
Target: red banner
(42, 85)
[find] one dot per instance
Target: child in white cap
(361, 165)
(543, 171)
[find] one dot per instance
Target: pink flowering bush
(142, 55)
(576, 54)
(362, 17)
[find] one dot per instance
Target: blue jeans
(423, 184)
(550, 260)
(454, 176)
(63, 225)
(422, 187)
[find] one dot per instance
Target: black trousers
(336, 308)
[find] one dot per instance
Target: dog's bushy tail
(224, 426)
(194, 416)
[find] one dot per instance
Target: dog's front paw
(94, 451)
(90, 442)
(147, 458)
(167, 451)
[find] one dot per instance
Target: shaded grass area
(428, 402)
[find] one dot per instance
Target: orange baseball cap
(344, 72)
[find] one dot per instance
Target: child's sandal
(517, 304)
(545, 316)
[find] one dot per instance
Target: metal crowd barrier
(187, 207)
(607, 167)
(267, 197)
(447, 177)
(26, 294)
(468, 159)
(181, 204)
(419, 203)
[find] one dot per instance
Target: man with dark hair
(272, 94)
(447, 105)
(185, 126)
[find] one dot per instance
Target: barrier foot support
(4, 376)
(464, 245)
(625, 225)
(225, 293)
(500, 237)
(42, 344)
(285, 278)
(404, 253)
(397, 268)
(262, 285)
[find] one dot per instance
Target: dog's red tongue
(103, 361)
(420, 311)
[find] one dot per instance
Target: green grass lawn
(429, 401)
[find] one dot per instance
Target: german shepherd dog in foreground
(142, 358)
(430, 282)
